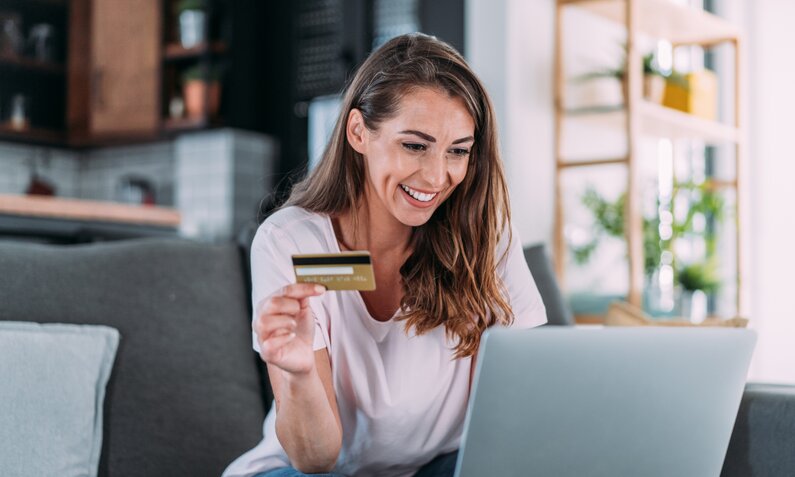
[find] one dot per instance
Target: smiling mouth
(417, 195)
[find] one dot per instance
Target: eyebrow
(430, 138)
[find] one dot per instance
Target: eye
(460, 152)
(414, 147)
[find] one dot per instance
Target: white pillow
(52, 389)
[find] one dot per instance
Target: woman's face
(416, 159)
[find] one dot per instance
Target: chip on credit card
(336, 271)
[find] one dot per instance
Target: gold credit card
(336, 271)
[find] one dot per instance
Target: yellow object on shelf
(697, 96)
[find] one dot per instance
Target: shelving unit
(209, 55)
(656, 19)
(177, 52)
(28, 64)
(41, 82)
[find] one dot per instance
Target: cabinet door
(125, 67)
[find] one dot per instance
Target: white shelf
(657, 121)
(664, 19)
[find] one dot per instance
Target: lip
(416, 203)
(422, 190)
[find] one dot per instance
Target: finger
(279, 305)
(271, 348)
(274, 323)
(302, 290)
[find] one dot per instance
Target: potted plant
(608, 221)
(653, 80)
(697, 280)
(201, 89)
(192, 16)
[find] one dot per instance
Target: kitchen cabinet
(114, 68)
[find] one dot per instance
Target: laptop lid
(604, 402)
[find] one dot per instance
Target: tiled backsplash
(216, 179)
(220, 180)
(58, 167)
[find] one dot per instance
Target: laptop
(612, 402)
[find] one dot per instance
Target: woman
(376, 383)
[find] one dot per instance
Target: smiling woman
(377, 382)
(410, 171)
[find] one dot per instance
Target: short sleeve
(525, 300)
(271, 270)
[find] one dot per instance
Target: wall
(771, 170)
(509, 45)
(58, 167)
(220, 178)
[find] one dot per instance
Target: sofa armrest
(763, 441)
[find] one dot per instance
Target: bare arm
(307, 421)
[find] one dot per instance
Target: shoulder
(297, 226)
(509, 241)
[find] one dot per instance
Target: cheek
(458, 172)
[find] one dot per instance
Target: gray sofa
(187, 394)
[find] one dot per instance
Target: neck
(377, 230)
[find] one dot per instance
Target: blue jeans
(441, 466)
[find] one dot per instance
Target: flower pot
(192, 28)
(202, 98)
(653, 88)
(697, 96)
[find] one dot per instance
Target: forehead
(434, 112)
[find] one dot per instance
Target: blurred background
(646, 142)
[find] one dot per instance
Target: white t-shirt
(402, 398)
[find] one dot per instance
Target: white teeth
(418, 195)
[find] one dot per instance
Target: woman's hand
(285, 328)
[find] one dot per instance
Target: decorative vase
(693, 305)
(202, 98)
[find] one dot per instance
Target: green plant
(184, 5)
(609, 221)
(649, 68)
(706, 202)
(202, 72)
(700, 276)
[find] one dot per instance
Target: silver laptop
(613, 402)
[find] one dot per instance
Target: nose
(434, 170)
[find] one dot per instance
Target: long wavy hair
(450, 278)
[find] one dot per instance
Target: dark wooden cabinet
(114, 68)
(125, 55)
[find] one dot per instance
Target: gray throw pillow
(53, 386)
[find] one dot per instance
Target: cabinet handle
(97, 90)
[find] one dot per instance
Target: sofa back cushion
(184, 397)
(558, 312)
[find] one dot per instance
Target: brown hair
(451, 277)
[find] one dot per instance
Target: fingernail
(319, 288)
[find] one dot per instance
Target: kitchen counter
(65, 220)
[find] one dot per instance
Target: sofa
(186, 394)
